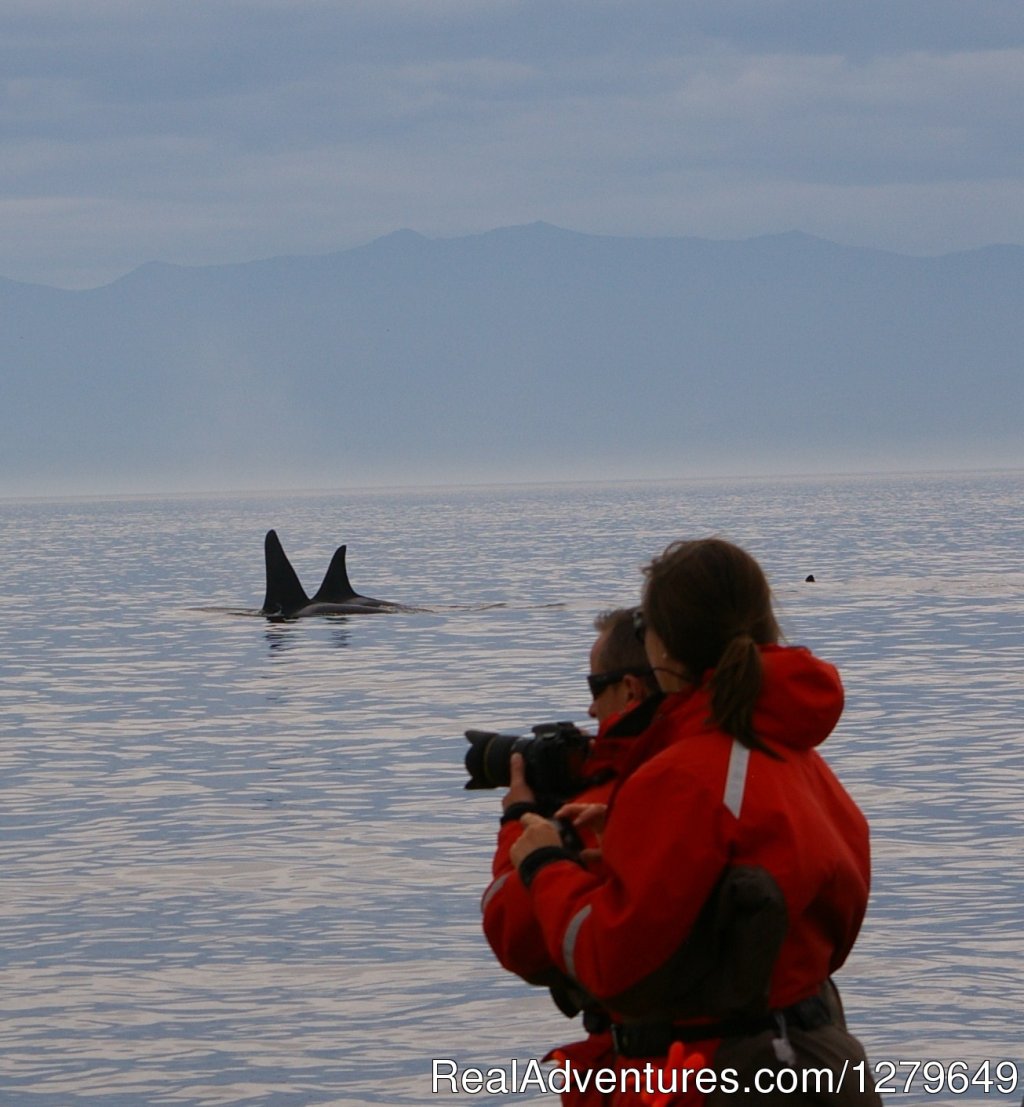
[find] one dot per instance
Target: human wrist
(536, 860)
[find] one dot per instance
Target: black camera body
(553, 757)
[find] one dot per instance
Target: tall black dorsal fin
(335, 587)
(285, 593)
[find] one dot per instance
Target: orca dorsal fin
(285, 593)
(335, 587)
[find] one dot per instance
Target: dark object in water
(287, 599)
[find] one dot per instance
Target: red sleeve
(508, 920)
(665, 844)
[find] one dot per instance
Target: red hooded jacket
(697, 802)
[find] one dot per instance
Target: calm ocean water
(238, 866)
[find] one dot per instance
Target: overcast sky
(208, 131)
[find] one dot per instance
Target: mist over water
(238, 865)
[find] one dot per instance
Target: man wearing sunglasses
(623, 696)
(620, 675)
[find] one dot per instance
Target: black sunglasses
(601, 682)
(639, 624)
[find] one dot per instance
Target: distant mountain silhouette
(523, 352)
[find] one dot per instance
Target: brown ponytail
(735, 686)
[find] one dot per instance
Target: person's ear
(636, 688)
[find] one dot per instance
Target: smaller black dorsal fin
(336, 587)
(285, 593)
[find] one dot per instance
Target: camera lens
(489, 756)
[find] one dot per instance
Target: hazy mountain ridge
(520, 352)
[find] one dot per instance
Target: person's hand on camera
(584, 816)
(518, 790)
(538, 832)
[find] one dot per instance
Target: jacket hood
(801, 698)
(800, 703)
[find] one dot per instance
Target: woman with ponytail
(735, 867)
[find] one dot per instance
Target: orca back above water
(287, 599)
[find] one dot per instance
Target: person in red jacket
(621, 686)
(726, 812)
